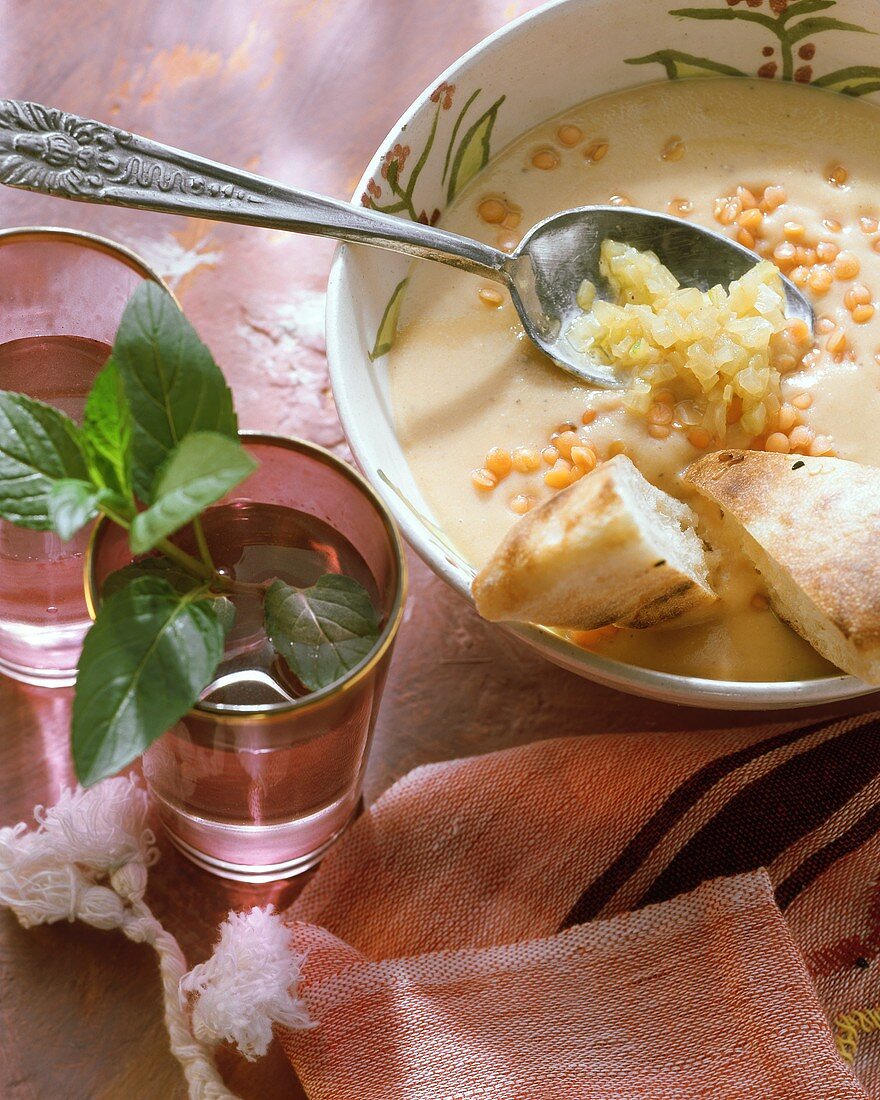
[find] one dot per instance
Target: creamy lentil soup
(491, 428)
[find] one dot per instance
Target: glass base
(258, 853)
(46, 656)
(39, 677)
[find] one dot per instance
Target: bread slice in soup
(611, 548)
(812, 528)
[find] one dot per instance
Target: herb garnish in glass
(246, 594)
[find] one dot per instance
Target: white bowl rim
(649, 683)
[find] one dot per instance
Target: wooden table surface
(305, 91)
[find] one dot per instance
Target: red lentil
(584, 458)
(751, 219)
(499, 462)
(492, 211)
(559, 475)
(821, 445)
(699, 437)
(745, 238)
(857, 295)
(483, 479)
(746, 198)
(565, 441)
(821, 279)
(837, 175)
(569, 134)
(526, 459)
(545, 159)
(826, 251)
(800, 437)
(674, 149)
(846, 265)
(778, 442)
(836, 342)
(774, 197)
(520, 504)
(596, 151)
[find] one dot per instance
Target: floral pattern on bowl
(790, 24)
(463, 159)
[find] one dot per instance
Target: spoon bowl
(50, 151)
(558, 253)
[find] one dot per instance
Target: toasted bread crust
(581, 561)
(814, 522)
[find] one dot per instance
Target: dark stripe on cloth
(813, 866)
(603, 888)
(773, 811)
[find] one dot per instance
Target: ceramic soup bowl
(532, 69)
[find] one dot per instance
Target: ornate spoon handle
(47, 150)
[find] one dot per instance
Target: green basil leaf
(74, 503)
(200, 470)
(38, 446)
(171, 382)
(181, 581)
(149, 655)
(107, 431)
(324, 631)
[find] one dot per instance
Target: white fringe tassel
(245, 986)
(87, 860)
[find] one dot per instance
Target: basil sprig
(159, 445)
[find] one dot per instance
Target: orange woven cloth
(647, 916)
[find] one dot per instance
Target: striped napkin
(648, 916)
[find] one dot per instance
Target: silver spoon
(47, 150)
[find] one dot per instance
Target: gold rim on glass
(125, 255)
(218, 712)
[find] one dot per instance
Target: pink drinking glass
(260, 792)
(62, 294)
